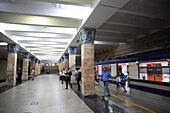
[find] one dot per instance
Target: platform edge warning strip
(129, 102)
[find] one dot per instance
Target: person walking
(120, 81)
(19, 75)
(68, 78)
(105, 76)
(33, 73)
(78, 77)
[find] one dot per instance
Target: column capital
(72, 50)
(37, 61)
(59, 61)
(33, 59)
(66, 55)
(62, 59)
(13, 48)
(87, 35)
(26, 55)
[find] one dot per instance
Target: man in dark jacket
(78, 77)
(68, 78)
(19, 75)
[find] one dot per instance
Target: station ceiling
(46, 28)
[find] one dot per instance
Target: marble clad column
(87, 61)
(72, 58)
(66, 62)
(62, 62)
(36, 67)
(59, 65)
(11, 64)
(25, 66)
(39, 67)
(32, 65)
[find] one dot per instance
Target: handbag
(118, 80)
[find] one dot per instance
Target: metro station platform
(46, 94)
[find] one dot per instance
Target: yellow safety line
(129, 102)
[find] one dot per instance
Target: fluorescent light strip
(45, 49)
(46, 55)
(3, 43)
(42, 45)
(45, 35)
(20, 27)
(44, 52)
(21, 38)
(46, 43)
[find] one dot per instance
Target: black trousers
(62, 79)
(19, 80)
(96, 79)
(78, 83)
(68, 81)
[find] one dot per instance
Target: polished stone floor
(45, 94)
(118, 103)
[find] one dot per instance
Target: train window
(165, 70)
(143, 70)
(150, 71)
(158, 65)
(158, 72)
(149, 65)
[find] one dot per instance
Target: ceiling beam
(38, 20)
(118, 35)
(124, 29)
(69, 2)
(110, 39)
(147, 8)
(41, 35)
(39, 10)
(150, 8)
(145, 14)
(136, 21)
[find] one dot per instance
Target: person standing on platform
(105, 76)
(63, 76)
(43, 70)
(19, 75)
(68, 78)
(78, 77)
(96, 79)
(120, 81)
(33, 73)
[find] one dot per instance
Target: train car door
(150, 73)
(158, 72)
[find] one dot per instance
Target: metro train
(153, 71)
